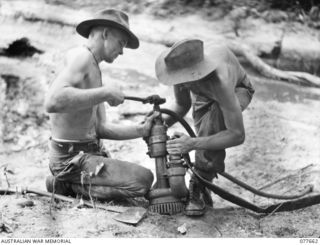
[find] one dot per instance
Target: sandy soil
(282, 136)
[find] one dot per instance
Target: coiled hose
(280, 207)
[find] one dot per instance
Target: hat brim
(85, 27)
(191, 73)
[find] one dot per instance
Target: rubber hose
(264, 194)
(230, 177)
(279, 207)
(180, 120)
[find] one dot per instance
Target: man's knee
(209, 163)
(144, 181)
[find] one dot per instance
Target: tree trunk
(266, 70)
(239, 49)
(52, 14)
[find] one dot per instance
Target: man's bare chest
(93, 79)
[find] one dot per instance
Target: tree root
(266, 70)
(34, 13)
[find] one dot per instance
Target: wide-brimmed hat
(109, 17)
(186, 61)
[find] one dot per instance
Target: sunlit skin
(113, 45)
(76, 97)
(224, 94)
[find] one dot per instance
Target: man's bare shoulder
(222, 82)
(75, 69)
(78, 58)
(220, 52)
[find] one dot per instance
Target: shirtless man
(214, 83)
(75, 102)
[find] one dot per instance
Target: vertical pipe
(162, 180)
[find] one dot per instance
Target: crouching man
(211, 80)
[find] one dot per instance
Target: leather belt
(74, 147)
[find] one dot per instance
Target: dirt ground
(282, 127)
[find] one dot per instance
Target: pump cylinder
(157, 140)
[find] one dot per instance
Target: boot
(207, 198)
(195, 205)
(61, 187)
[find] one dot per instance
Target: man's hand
(114, 96)
(145, 126)
(181, 144)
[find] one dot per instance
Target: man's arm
(112, 131)
(68, 92)
(182, 104)
(233, 135)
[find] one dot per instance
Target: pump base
(166, 205)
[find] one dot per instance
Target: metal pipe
(177, 182)
(160, 172)
(177, 185)
(159, 192)
(134, 98)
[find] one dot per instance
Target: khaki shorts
(116, 179)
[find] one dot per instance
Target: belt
(74, 147)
